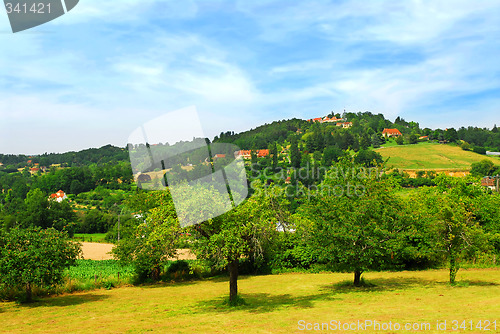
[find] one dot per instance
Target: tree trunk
(453, 269)
(357, 278)
(233, 280)
(29, 294)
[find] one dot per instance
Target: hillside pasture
(274, 304)
(431, 156)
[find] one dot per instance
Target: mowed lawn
(431, 156)
(275, 304)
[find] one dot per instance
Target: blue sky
(90, 77)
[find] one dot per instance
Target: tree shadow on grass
(167, 284)
(394, 284)
(262, 302)
(225, 278)
(191, 281)
(379, 284)
(66, 300)
(467, 283)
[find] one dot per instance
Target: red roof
(262, 153)
(488, 181)
(392, 132)
(220, 156)
(243, 153)
(59, 194)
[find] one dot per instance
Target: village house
(247, 154)
(491, 182)
(423, 138)
(58, 196)
(262, 153)
(345, 125)
(391, 133)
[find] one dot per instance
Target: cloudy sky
(92, 76)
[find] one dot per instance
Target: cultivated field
(275, 304)
(431, 156)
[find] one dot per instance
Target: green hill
(431, 156)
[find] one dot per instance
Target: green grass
(91, 237)
(430, 155)
(271, 304)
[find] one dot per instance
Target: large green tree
(354, 221)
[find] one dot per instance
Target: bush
(479, 150)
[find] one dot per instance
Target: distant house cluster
(247, 154)
(339, 121)
(388, 133)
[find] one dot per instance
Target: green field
(91, 237)
(431, 156)
(275, 304)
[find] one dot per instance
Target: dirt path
(100, 251)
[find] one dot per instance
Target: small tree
(399, 140)
(154, 240)
(450, 210)
(375, 141)
(244, 231)
(35, 257)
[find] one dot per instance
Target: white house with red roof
(391, 133)
(58, 196)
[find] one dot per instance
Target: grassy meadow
(91, 237)
(430, 155)
(274, 304)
